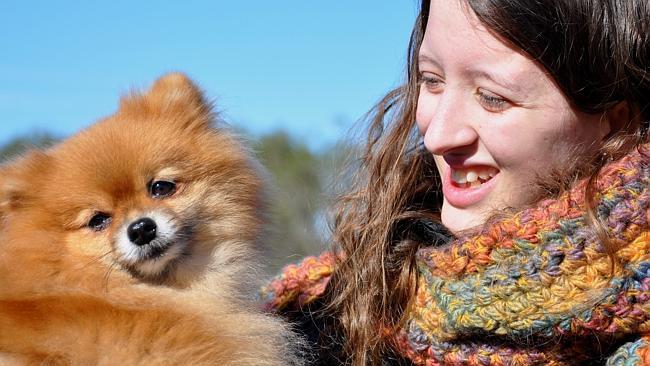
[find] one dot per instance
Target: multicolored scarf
(538, 288)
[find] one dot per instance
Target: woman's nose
(448, 126)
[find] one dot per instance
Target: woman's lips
(462, 197)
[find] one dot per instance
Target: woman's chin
(460, 219)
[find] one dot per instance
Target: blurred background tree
(303, 186)
(296, 197)
(19, 145)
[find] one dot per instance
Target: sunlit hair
(604, 62)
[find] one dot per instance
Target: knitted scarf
(537, 288)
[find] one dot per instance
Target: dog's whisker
(99, 258)
(107, 274)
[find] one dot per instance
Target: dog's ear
(176, 88)
(15, 179)
(176, 98)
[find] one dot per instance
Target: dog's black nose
(142, 231)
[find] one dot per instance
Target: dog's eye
(162, 189)
(99, 221)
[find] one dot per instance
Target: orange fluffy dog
(131, 243)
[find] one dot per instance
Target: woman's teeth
(472, 178)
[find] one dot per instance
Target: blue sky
(309, 67)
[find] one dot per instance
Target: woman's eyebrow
(497, 79)
(424, 58)
(477, 73)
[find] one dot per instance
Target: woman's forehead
(453, 27)
(455, 41)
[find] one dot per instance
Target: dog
(133, 243)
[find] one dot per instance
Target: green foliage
(19, 145)
(297, 205)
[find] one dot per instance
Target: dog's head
(154, 190)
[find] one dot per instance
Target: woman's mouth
(472, 178)
(463, 187)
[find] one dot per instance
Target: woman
(507, 103)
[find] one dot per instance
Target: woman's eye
(162, 189)
(492, 102)
(100, 221)
(430, 81)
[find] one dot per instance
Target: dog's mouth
(155, 250)
(150, 248)
(156, 262)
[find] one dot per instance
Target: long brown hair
(602, 63)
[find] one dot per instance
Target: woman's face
(494, 120)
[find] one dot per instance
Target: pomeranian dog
(132, 243)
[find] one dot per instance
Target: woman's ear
(618, 118)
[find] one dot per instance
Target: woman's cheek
(425, 111)
(421, 115)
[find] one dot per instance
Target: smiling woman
(500, 214)
(473, 124)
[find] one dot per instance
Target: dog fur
(76, 294)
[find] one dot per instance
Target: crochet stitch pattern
(540, 280)
(537, 288)
(300, 284)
